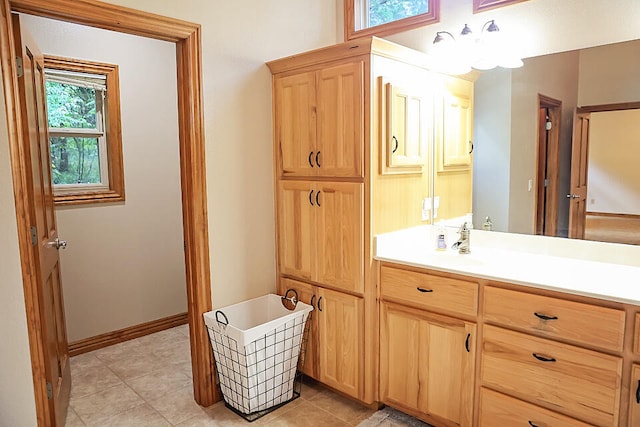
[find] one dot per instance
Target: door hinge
(49, 390)
(546, 182)
(19, 68)
(34, 236)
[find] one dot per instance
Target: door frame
(547, 167)
(187, 37)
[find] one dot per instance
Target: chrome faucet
(463, 244)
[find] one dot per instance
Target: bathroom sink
(452, 258)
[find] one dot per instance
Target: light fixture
(489, 50)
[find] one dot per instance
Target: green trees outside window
(384, 11)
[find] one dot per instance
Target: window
(365, 18)
(85, 144)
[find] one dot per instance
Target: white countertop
(593, 269)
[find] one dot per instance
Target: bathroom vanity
(519, 332)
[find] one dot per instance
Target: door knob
(57, 243)
(573, 196)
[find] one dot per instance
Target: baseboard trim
(110, 338)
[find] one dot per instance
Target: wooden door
(297, 230)
(309, 351)
(340, 235)
(579, 175)
(341, 333)
(634, 398)
(406, 128)
(341, 120)
(457, 126)
(400, 381)
(43, 219)
(295, 124)
(443, 357)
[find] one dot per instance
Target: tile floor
(147, 382)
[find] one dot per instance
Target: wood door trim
(609, 107)
(187, 37)
(552, 152)
(121, 335)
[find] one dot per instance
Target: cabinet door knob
(544, 358)
(544, 316)
(310, 161)
(395, 144)
(311, 197)
(318, 159)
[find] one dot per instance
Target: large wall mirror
(524, 128)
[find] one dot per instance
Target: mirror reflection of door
(610, 207)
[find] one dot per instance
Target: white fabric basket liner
(257, 352)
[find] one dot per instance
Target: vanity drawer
(556, 318)
(429, 291)
(497, 409)
(577, 382)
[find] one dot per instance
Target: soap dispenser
(487, 225)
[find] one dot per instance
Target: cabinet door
(296, 223)
(405, 129)
(341, 120)
(340, 235)
(309, 351)
(295, 124)
(457, 126)
(428, 363)
(634, 401)
(341, 331)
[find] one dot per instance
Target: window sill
(88, 198)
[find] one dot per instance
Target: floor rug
(387, 417)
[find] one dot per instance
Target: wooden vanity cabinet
(427, 360)
(318, 120)
(634, 398)
(333, 345)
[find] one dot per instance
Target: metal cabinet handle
(544, 316)
(395, 147)
(532, 424)
(424, 290)
(471, 150)
(638, 393)
(318, 159)
(311, 197)
(313, 297)
(319, 301)
(57, 244)
(318, 198)
(543, 358)
(310, 161)
(466, 343)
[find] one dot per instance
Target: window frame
(484, 5)
(393, 27)
(112, 134)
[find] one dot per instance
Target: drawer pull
(466, 343)
(544, 359)
(638, 393)
(424, 290)
(532, 424)
(545, 317)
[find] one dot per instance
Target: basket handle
(293, 299)
(226, 321)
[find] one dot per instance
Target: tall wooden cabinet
(333, 195)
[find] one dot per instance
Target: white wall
(614, 154)
(17, 406)
(492, 148)
(125, 261)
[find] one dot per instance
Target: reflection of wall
(125, 261)
(492, 148)
(609, 74)
(506, 133)
(614, 156)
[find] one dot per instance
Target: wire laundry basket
(256, 346)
